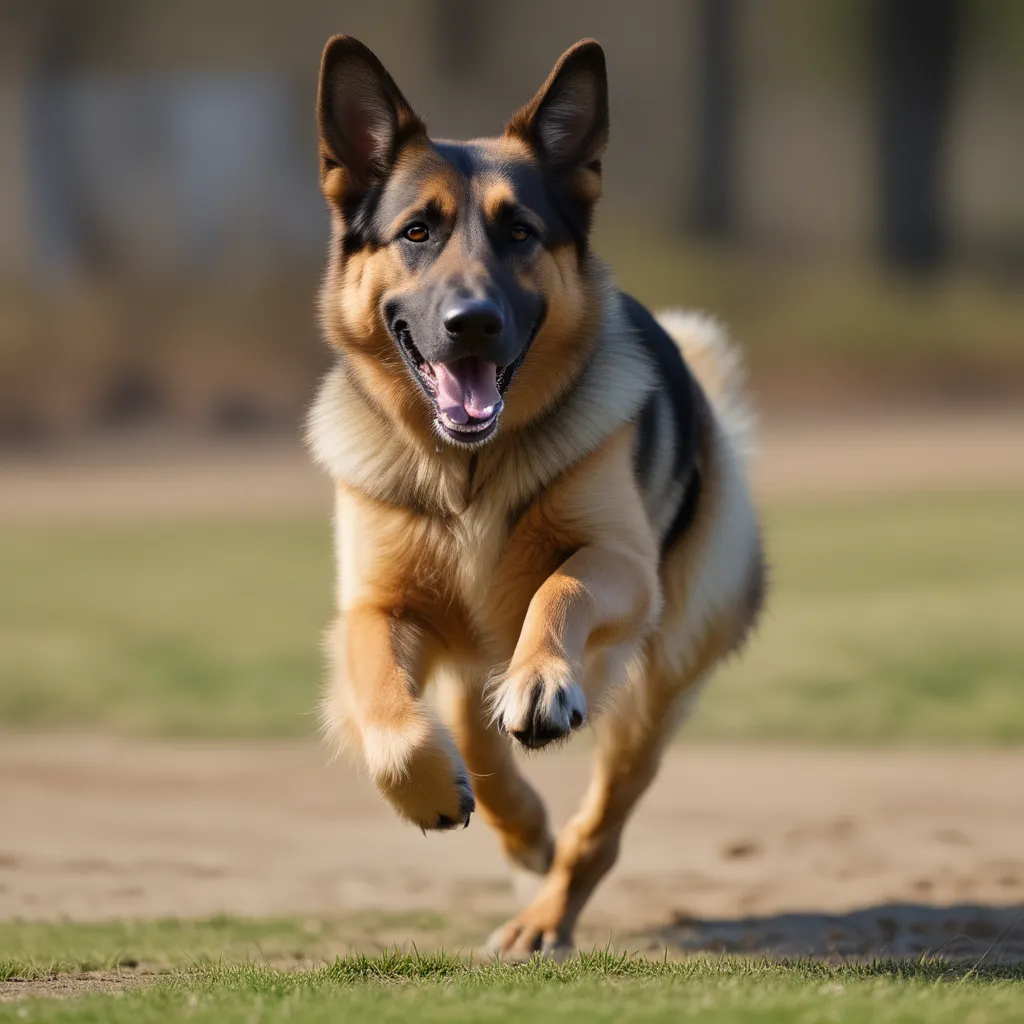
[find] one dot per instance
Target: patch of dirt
(919, 452)
(69, 986)
(169, 480)
(780, 851)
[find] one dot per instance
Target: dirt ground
(70, 985)
(779, 851)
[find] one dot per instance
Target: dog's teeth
(466, 428)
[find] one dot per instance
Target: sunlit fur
(527, 581)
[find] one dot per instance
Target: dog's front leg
(599, 599)
(373, 701)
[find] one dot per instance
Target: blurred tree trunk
(916, 43)
(58, 209)
(713, 208)
(461, 36)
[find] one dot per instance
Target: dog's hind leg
(630, 739)
(508, 803)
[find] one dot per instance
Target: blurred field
(186, 629)
(892, 618)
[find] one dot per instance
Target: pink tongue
(466, 389)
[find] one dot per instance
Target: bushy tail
(716, 363)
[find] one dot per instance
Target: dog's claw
(466, 808)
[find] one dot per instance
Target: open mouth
(466, 394)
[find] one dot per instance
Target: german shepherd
(542, 507)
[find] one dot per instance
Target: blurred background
(841, 181)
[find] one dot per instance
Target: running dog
(542, 508)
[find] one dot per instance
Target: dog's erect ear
(364, 119)
(566, 123)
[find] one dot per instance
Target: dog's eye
(519, 233)
(417, 233)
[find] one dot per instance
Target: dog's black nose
(474, 320)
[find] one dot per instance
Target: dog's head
(458, 266)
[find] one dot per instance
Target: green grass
(177, 629)
(32, 950)
(890, 619)
(594, 987)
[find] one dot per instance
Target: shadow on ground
(960, 933)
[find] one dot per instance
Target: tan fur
(507, 802)
(525, 582)
(631, 738)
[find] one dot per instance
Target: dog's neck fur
(367, 451)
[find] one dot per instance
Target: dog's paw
(539, 704)
(525, 937)
(422, 777)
